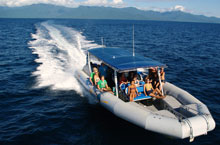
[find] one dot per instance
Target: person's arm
(106, 86)
(90, 79)
(129, 90)
(152, 87)
(137, 92)
(95, 79)
(120, 80)
(164, 75)
(99, 87)
(145, 90)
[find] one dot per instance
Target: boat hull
(161, 121)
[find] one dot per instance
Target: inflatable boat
(179, 114)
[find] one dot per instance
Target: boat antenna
(133, 42)
(102, 41)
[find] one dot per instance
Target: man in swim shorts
(102, 85)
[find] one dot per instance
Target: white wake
(61, 51)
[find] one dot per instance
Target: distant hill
(95, 12)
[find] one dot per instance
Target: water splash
(61, 51)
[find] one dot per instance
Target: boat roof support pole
(133, 42)
(89, 63)
(102, 41)
(116, 82)
(161, 87)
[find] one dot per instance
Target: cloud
(17, 3)
(103, 2)
(117, 1)
(178, 8)
(96, 2)
(175, 8)
(156, 0)
(67, 3)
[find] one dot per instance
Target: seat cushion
(141, 97)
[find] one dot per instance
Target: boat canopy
(122, 60)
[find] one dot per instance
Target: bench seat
(141, 97)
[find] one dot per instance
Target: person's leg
(152, 95)
(157, 85)
(156, 96)
(110, 92)
(105, 89)
(133, 96)
(158, 91)
(160, 88)
(155, 92)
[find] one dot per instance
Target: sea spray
(61, 51)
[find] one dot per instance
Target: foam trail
(61, 51)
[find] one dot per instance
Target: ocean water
(41, 102)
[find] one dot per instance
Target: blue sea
(42, 103)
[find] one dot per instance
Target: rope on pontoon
(208, 126)
(191, 137)
(182, 118)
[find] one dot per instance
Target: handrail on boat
(182, 117)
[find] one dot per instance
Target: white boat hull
(166, 121)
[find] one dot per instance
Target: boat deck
(157, 107)
(172, 102)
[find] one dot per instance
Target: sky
(200, 7)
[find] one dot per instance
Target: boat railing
(181, 118)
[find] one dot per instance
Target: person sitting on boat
(103, 70)
(136, 81)
(102, 85)
(123, 79)
(162, 75)
(91, 78)
(132, 91)
(150, 91)
(153, 76)
(96, 78)
(131, 76)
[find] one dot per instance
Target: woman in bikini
(132, 91)
(96, 78)
(150, 91)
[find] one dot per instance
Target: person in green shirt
(91, 78)
(102, 85)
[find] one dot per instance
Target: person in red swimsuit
(123, 79)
